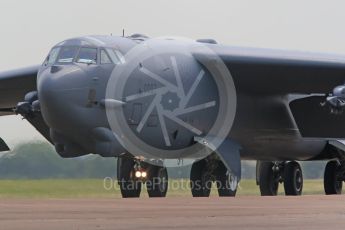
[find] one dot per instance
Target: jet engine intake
(336, 100)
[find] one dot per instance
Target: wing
(265, 71)
(299, 81)
(14, 85)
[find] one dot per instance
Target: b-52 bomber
(153, 101)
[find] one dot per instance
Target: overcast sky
(29, 28)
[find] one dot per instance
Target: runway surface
(306, 212)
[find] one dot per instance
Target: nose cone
(60, 78)
(58, 88)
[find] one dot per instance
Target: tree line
(38, 160)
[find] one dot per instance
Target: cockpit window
(120, 56)
(51, 59)
(87, 55)
(105, 59)
(116, 56)
(67, 54)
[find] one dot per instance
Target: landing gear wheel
(157, 183)
(332, 183)
(226, 182)
(269, 181)
(130, 187)
(200, 179)
(293, 179)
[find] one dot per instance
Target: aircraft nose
(58, 88)
(60, 78)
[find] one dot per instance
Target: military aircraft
(150, 101)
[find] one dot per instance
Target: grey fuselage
(72, 97)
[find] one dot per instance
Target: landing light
(140, 174)
(137, 174)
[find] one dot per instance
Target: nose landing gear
(157, 183)
(130, 184)
(132, 174)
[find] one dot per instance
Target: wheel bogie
(273, 173)
(293, 179)
(205, 172)
(200, 180)
(333, 182)
(226, 182)
(157, 183)
(132, 175)
(269, 182)
(130, 187)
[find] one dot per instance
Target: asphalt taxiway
(244, 212)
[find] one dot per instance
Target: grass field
(83, 188)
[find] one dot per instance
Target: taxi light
(137, 174)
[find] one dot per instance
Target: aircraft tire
(200, 180)
(268, 183)
(157, 183)
(293, 179)
(332, 185)
(130, 187)
(226, 182)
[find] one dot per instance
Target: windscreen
(67, 54)
(87, 55)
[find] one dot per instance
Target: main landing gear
(209, 170)
(334, 177)
(271, 174)
(132, 174)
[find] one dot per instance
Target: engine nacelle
(337, 99)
